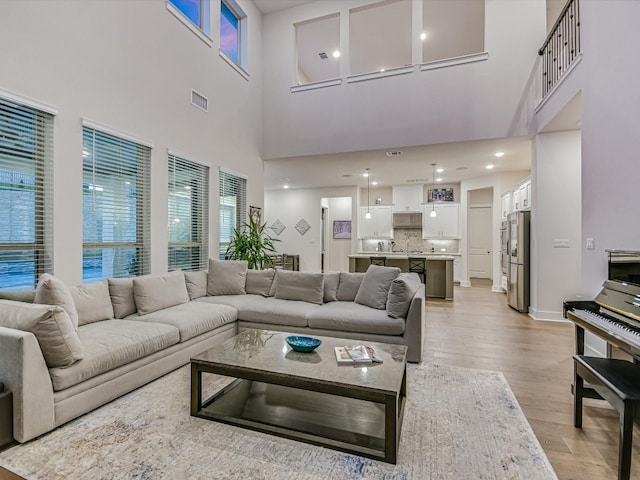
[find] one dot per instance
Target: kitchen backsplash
(410, 240)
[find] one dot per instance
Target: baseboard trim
(546, 316)
(497, 288)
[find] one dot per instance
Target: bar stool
(380, 261)
(419, 265)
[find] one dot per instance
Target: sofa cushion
(51, 291)
(122, 299)
(155, 292)
(259, 281)
(92, 302)
(267, 311)
(375, 285)
(348, 286)
(227, 277)
(353, 317)
(192, 318)
(401, 293)
(51, 326)
(330, 288)
(111, 344)
(300, 286)
(196, 283)
(18, 295)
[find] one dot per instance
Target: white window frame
(203, 32)
(240, 206)
(242, 66)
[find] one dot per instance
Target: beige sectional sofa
(76, 348)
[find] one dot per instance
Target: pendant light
(368, 214)
(433, 213)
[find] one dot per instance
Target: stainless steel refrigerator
(518, 256)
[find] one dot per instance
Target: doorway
(480, 234)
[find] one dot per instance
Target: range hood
(407, 220)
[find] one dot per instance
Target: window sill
(314, 85)
(243, 73)
(392, 72)
(189, 24)
(449, 62)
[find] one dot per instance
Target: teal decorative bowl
(303, 344)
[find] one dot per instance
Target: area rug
(459, 424)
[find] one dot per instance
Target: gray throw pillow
(51, 291)
(92, 302)
(156, 292)
(401, 293)
(121, 292)
(227, 277)
(51, 326)
(375, 285)
(331, 281)
(348, 286)
(304, 287)
(196, 283)
(259, 281)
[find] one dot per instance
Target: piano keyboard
(616, 328)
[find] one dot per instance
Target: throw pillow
(348, 286)
(92, 302)
(51, 326)
(331, 281)
(259, 281)
(304, 287)
(375, 285)
(227, 277)
(51, 291)
(401, 293)
(196, 283)
(121, 292)
(155, 292)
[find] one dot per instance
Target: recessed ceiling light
(336, 54)
(285, 186)
(365, 174)
(438, 179)
(374, 183)
(439, 170)
(383, 69)
(423, 36)
(490, 166)
(499, 154)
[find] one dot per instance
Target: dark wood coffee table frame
(228, 405)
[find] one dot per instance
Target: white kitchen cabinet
(446, 223)
(517, 205)
(380, 225)
(522, 195)
(407, 198)
(507, 204)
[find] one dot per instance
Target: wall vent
(323, 55)
(200, 101)
(418, 180)
(395, 153)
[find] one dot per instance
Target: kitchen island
(439, 275)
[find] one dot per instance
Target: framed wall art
(341, 229)
(440, 195)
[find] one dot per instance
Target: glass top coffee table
(306, 396)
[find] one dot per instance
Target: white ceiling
(270, 6)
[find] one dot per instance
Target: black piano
(614, 315)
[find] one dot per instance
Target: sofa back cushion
(375, 285)
(304, 287)
(18, 295)
(51, 326)
(92, 302)
(121, 292)
(401, 293)
(348, 286)
(259, 281)
(227, 277)
(51, 291)
(331, 282)
(196, 283)
(155, 292)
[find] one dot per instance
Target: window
(26, 148)
(195, 11)
(233, 207)
(188, 214)
(318, 49)
(115, 206)
(233, 33)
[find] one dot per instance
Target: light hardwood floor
(479, 330)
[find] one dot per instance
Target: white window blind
(115, 206)
(233, 207)
(188, 214)
(26, 183)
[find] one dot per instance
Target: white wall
(337, 251)
(557, 198)
(610, 139)
(473, 101)
(131, 66)
(290, 206)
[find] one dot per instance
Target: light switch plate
(591, 244)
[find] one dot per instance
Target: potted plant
(251, 242)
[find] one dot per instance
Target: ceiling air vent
(199, 101)
(395, 153)
(323, 55)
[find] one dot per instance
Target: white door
(479, 241)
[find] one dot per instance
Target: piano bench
(618, 382)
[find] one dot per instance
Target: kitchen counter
(439, 268)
